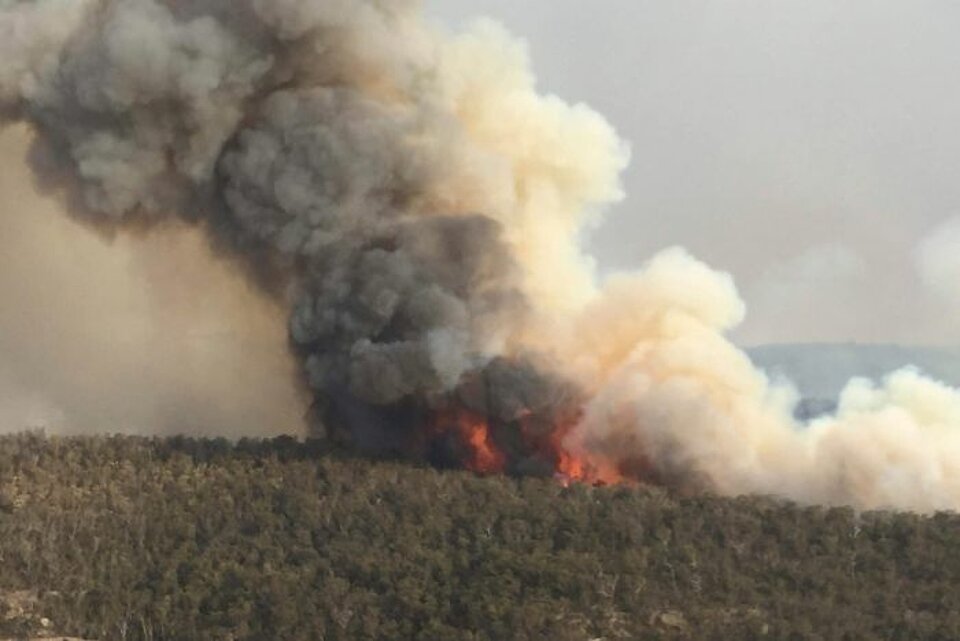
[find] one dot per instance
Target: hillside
(129, 538)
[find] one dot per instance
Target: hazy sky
(810, 147)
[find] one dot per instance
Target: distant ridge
(820, 370)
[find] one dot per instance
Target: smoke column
(417, 206)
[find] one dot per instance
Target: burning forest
(416, 205)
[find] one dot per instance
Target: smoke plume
(417, 207)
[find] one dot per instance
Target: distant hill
(820, 370)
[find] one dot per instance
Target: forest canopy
(183, 539)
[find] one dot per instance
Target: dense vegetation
(128, 538)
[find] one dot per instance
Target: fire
(483, 455)
(571, 463)
(575, 467)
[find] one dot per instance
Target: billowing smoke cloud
(417, 206)
(355, 162)
(679, 399)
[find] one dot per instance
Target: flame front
(481, 454)
(484, 454)
(575, 465)
(474, 439)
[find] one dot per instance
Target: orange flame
(571, 464)
(576, 467)
(484, 456)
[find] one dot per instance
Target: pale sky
(810, 147)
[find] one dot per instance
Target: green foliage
(183, 539)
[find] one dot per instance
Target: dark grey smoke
(310, 138)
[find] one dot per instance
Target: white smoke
(677, 395)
